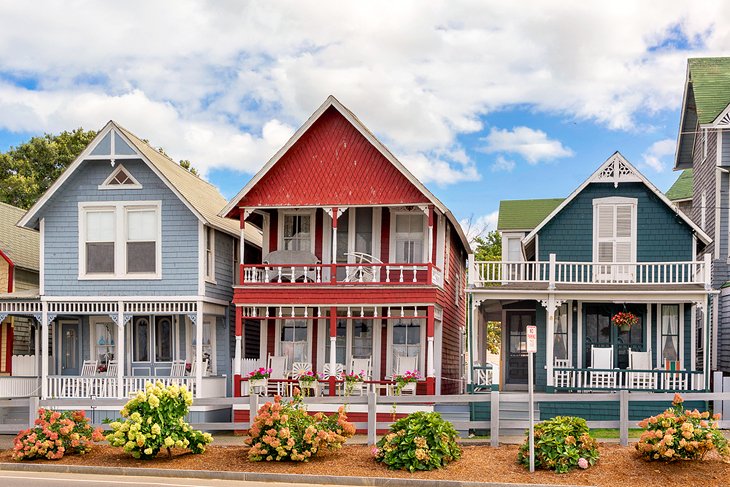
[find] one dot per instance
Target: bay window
(119, 240)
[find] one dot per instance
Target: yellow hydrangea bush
(154, 419)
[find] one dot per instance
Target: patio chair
(363, 273)
(85, 385)
(405, 364)
(290, 266)
(110, 381)
(278, 366)
(300, 368)
(362, 366)
(602, 358)
(563, 378)
(177, 369)
(248, 365)
(644, 379)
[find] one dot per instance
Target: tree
(26, 171)
(488, 247)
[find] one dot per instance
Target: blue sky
(482, 101)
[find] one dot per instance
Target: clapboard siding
(179, 235)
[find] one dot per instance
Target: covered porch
(379, 342)
(86, 348)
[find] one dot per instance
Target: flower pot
(624, 327)
(258, 384)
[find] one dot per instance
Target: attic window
(120, 178)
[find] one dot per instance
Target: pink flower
(583, 463)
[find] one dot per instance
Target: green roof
(525, 214)
(710, 79)
(682, 187)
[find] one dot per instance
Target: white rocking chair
(602, 358)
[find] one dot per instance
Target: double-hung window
(119, 240)
(209, 254)
(407, 339)
(614, 238)
(297, 233)
(670, 332)
(409, 237)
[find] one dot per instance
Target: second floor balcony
(553, 273)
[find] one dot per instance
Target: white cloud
(656, 156)
(533, 145)
(479, 226)
(212, 75)
(503, 164)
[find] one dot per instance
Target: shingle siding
(661, 234)
(223, 287)
(179, 235)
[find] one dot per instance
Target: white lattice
(616, 171)
(160, 307)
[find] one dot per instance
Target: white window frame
(107, 184)
(615, 201)
(96, 349)
(212, 322)
(120, 239)
(299, 315)
(304, 212)
(421, 355)
(394, 240)
(323, 330)
(209, 271)
(506, 237)
(680, 335)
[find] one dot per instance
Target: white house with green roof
(617, 281)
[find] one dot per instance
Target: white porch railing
(63, 386)
(628, 379)
(19, 386)
(358, 273)
(484, 376)
(487, 273)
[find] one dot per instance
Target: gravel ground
(617, 467)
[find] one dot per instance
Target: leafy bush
(679, 434)
(154, 419)
(285, 431)
(420, 441)
(55, 434)
(561, 444)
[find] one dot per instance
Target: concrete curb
(253, 476)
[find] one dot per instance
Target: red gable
(332, 164)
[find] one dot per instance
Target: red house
(361, 267)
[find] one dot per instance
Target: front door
(70, 349)
(516, 330)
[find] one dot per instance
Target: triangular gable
(333, 159)
(120, 178)
(618, 170)
(723, 119)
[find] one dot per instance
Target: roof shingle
(525, 214)
(682, 187)
(20, 244)
(710, 79)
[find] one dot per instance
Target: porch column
(333, 346)
(431, 246)
(120, 349)
(44, 349)
(242, 245)
(430, 369)
(549, 338)
(199, 349)
(237, 357)
(471, 326)
(333, 269)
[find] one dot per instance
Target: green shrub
(154, 420)
(678, 434)
(420, 441)
(54, 434)
(561, 444)
(285, 431)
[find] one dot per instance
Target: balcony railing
(68, 386)
(551, 273)
(571, 379)
(361, 273)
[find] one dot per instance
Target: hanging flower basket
(624, 320)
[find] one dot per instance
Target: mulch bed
(618, 466)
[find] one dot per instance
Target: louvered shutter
(624, 239)
(605, 233)
(615, 239)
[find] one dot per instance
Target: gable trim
(721, 121)
(601, 176)
(33, 211)
(107, 184)
(331, 101)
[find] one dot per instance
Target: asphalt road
(46, 479)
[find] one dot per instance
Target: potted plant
(624, 320)
(308, 381)
(404, 381)
(259, 378)
(353, 381)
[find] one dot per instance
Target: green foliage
(185, 164)
(55, 434)
(285, 431)
(420, 441)
(561, 444)
(679, 434)
(488, 247)
(154, 420)
(26, 171)
(494, 336)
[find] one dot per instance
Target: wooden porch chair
(361, 366)
(279, 372)
(110, 380)
(177, 369)
(283, 260)
(248, 365)
(300, 368)
(563, 378)
(602, 358)
(405, 364)
(641, 361)
(85, 385)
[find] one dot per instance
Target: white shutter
(605, 222)
(615, 239)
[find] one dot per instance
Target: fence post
(372, 418)
(494, 418)
(253, 407)
(33, 405)
(624, 417)
(717, 406)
